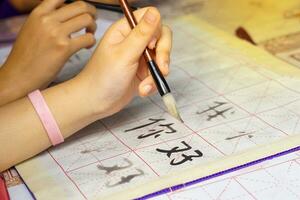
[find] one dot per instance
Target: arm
(93, 94)
(44, 45)
(21, 132)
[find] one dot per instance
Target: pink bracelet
(46, 117)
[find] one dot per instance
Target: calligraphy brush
(110, 7)
(158, 77)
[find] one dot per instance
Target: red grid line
(138, 118)
(223, 53)
(207, 141)
(259, 118)
(67, 175)
(233, 91)
(222, 123)
(277, 180)
(297, 161)
(251, 114)
(205, 190)
(186, 127)
(280, 83)
(163, 142)
(218, 93)
(252, 195)
(235, 176)
(200, 136)
(98, 160)
(83, 166)
(281, 106)
(225, 188)
(131, 150)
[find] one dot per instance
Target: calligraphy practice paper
(275, 179)
(239, 105)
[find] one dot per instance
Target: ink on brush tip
(170, 103)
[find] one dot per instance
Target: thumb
(139, 38)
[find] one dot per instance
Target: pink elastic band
(46, 117)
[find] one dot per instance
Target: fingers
(147, 87)
(123, 27)
(80, 22)
(84, 41)
(163, 50)
(155, 38)
(50, 5)
(138, 39)
(74, 9)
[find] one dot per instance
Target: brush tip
(170, 103)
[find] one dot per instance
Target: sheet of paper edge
(291, 26)
(261, 57)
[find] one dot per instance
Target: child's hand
(117, 71)
(111, 1)
(45, 44)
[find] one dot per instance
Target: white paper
(228, 93)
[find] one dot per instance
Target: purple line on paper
(206, 178)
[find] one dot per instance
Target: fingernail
(150, 16)
(147, 89)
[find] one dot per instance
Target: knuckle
(94, 26)
(53, 32)
(36, 12)
(45, 20)
(63, 44)
(91, 38)
(82, 5)
(142, 32)
(91, 8)
(93, 41)
(88, 18)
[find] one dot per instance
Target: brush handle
(160, 82)
(98, 5)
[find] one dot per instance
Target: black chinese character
(216, 113)
(126, 179)
(241, 134)
(177, 150)
(154, 132)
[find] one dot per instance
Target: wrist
(10, 87)
(87, 92)
(69, 106)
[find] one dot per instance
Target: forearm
(15, 83)
(21, 133)
(11, 88)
